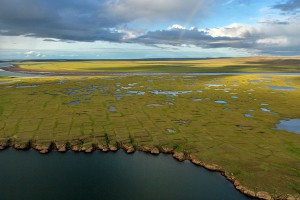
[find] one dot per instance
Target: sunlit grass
(254, 64)
(261, 157)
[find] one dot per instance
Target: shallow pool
(282, 88)
(221, 102)
(291, 125)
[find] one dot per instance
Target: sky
(132, 29)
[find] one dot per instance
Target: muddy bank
(45, 148)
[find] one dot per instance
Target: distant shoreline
(18, 69)
(145, 59)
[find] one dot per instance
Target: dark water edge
(60, 176)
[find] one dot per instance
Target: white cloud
(29, 52)
(232, 31)
(271, 37)
(33, 54)
(176, 26)
(281, 41)
(128, 34)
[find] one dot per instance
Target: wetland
(241, 125)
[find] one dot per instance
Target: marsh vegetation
(253, 64)
(173, 113)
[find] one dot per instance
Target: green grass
(253, 64)
(259, 156)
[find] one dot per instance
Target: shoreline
(18, 69)
(128, 148)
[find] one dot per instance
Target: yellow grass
(253, 64)
(261, 157)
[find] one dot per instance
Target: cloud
(65, 20)
(90, 20)
(274, 21)
(50, 40)
(33, 54)
(269, 38)
(29, 52)
(282, 41)
(288, 6)
(152, 10)
(181, 36)
(111, 20)
(234, 30)
(176, 26)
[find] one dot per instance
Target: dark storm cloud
(177, 37)
(88, 20)
(64, 19)
(50, 40)
(289, 5)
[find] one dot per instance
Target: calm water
(3, 72)
(282, 88)
(292, 125)
(30, 175)
(221, 102)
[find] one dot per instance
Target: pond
(197, 100)
(282, 88)
(291, 125)
(265, 109)
(30, 175)
(155, 105)
(112, 109)
(170, 93)
(248, 115)
(221, 102)
(75, 102)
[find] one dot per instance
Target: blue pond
(248, 115)
(75, 102)
(221, 102)
(170, 93)
(112, 108)
(197, 100)
(282, 88)
(265, 109)
(292, 125)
